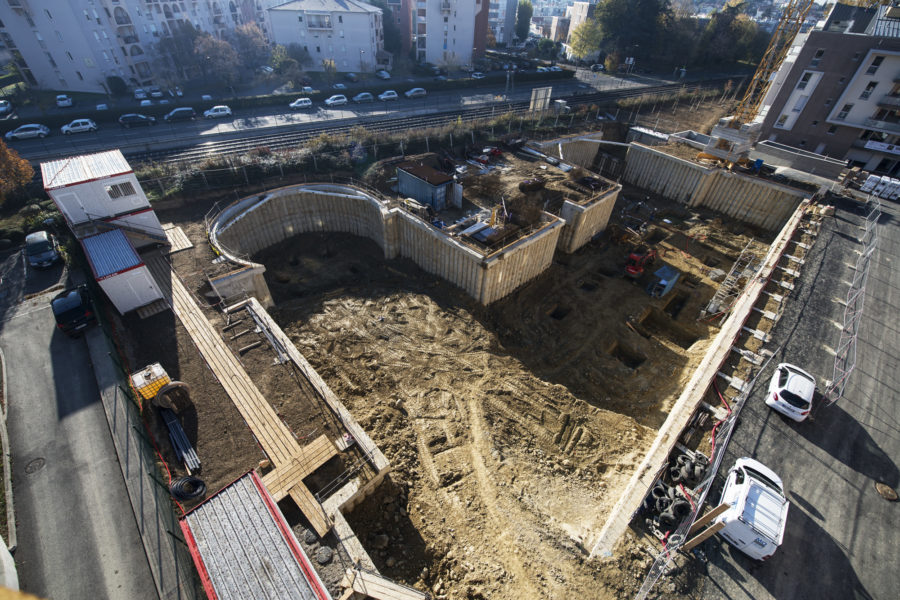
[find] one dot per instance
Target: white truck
(757, 513)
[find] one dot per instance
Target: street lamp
(361, 52)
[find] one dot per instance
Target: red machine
(643, 257)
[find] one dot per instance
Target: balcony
(888, 126)
(445, 6)
(889, 101)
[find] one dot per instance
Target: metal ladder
(747, 265)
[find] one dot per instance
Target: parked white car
(791, 391)
(415, 93)
(382, 74)
(757, 513)
(300, 104)
(363, 97)
(32, 130)
(336, 100)
(339, 86)
(388, 95)
(140, 94)
(478, 75)
(79, 126)
(217, 112)
(64, 101)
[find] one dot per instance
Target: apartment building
(838, 91)
(578, 13)
(502, 20)
(448, 33)
(349, 32)
(75, 45)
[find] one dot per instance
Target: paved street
(842, 537)
(77, 536)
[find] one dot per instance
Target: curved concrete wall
(255, 223)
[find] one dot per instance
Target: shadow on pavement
(840, 435)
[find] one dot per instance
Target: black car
(184, 113)
(73, 311)
(136, 120)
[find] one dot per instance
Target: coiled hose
(188, 488)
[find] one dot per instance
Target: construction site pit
(511, 429)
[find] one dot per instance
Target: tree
(730, 36)
(218, 58)
(632, 27)
(250, 44)
(585, 39)
(523, 19)
(15, 171)
(116, 85)
(329, 67)
(177, 51)
(491, 41)
(392, 40)
(299, 54)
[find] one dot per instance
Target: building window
(801, 102)
(804, 81)
(300, 18)
(832, 130)
(869, 89)
(802, 143)
(69, 54)
(781, 121)
(814, 123)
(59, 35)
(876, 62)
(844, 112)
(49, 16)
(817, 58)
(856, 56)
(340, 19)
(829, 102)
(119, 190)
(80, 76)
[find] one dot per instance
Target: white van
(757, 513)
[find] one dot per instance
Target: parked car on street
(336, 100)
(382, 74)
(155, 92)
(351, 77)
(64, 101)
(478, 75)
(136, 120)
(140, 94)
(339, 86)
(542, 70)
(32, 130)
(73, 311)
(147, 102)
(415, 93)
(41, 250)
(791, 391)
(440, 78)
(176, 91)
(387, 95)
(184, 113)
(79, 126)
(363, 97)
(300, 104)
(306, 89)
(757, 514)
(6, 107)
(598, 68)
(217, 112)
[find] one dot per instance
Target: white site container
(870, 183)
(119, 270)
(882, 185)
(893, 190)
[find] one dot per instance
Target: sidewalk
(170, 563)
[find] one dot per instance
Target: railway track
(297, 135)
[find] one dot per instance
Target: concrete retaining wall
(751, 200)
(584, 222)
(255, 223)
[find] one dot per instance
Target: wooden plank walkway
(372, 585)
(308, 458)
(177, 238)
(271, 433)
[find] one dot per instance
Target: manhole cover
(34, 466)
(886, 491)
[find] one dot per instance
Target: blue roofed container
(119, 270)
(424, 184)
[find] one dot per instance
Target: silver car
(79, 126)
(32, 130)
(336, 100)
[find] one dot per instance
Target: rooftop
(85, 167)
(110, 253)
(425, 173)
(327, 6)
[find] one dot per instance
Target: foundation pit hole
(608, 271)
(661, 325)
(656, 236)
(625, 355)
(675, 304)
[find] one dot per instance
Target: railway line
(297, 135)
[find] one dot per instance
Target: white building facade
(449, 33)
(74, 45)
(502, 20)
(349, 32)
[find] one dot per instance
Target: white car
(388, 95)
(478, 75)
(217, 112)
(382, 74)
(63, 101)
(757, 515)
(336, 100)
(5, 107)
(339, 86)
(140, 94)
(32, 130)
(542, 70)
(791, 391)
(363, 97)
(147, 102)
(79, 126)
(307, 90)
(300, 103)
(415, 93)
(155, 92)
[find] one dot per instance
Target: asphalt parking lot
(842, 537)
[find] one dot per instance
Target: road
(842, 538)
(77, 536)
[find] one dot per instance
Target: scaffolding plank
(311, 508)
(305, 461)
